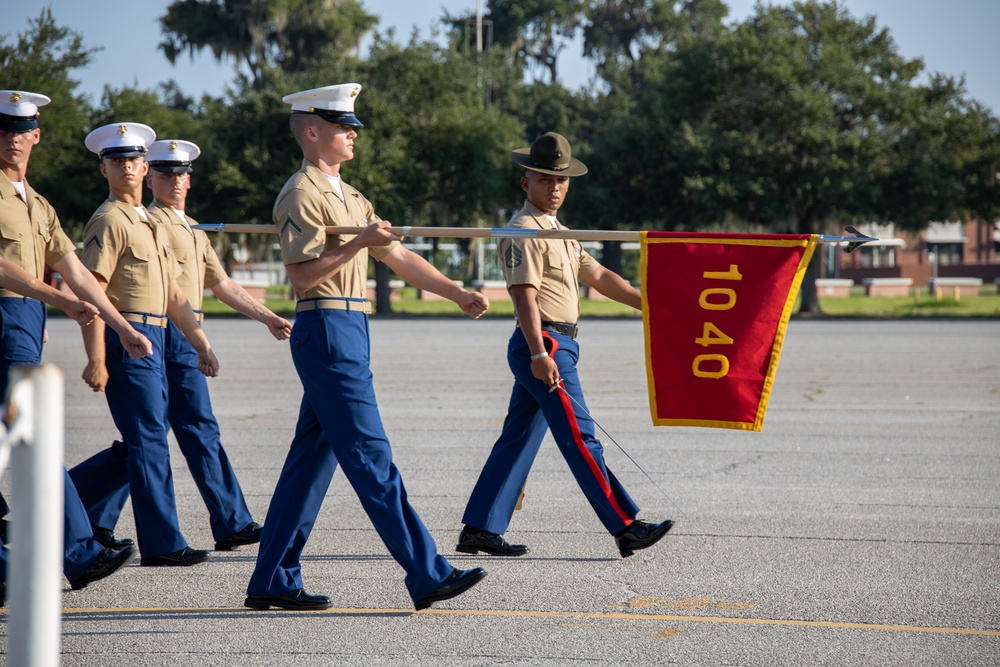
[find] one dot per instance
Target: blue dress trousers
(532, 410)
(22, 326)
(339, 421)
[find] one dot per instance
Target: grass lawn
(918, 304)
(410, 305)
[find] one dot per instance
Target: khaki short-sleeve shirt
(131, 255)
(304, 208)
(30, 233)
(200, 268)
(552, 266)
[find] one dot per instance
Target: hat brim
(522, 157)
(337, 117)
(132, 151)
(171, 168)
(18, 125)
(346, 119)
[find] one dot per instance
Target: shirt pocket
(12, 248)
(137, 266)
(182, 256)
(186, 261)
(44, 233)
(555, 265)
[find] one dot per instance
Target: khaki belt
(146, 318)
(198, 315)
(562, 328)
(334, 303)
(7, 294)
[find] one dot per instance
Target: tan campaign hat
(549, 154)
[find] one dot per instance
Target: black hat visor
(171, 166)
(122, 151)
(337, 117)
(17, 124)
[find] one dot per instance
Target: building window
(874, 257)
(947, 253)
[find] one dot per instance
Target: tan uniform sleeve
(59, 244)
(214, 273)
(301, 226)
(174, 269)
(587, 264)
(104, 243)
(378, 252)
(523, 262)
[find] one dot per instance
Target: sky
(955, 37)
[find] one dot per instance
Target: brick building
(944, 249)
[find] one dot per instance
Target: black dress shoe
(249, 535)
(473, 540)
(107, 563)
(294, 600)
(640, 535)
(184, 557)
(457, 583)
(106, 538)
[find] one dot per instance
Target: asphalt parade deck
(861, 527)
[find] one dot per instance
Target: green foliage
(796, 118)
(291, 35)
(42, 60)
(248, 154)
(430, 153)
(618, 33)
(919, 304)
(800, 117)
(530, 34)
(946, 162)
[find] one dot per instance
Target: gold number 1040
(715, 366)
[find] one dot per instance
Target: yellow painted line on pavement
(545, 614)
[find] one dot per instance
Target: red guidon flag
(715, 308)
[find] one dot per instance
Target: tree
(42, 60)
(431, 153)
(532, 33)
(247, 155)
(629, 133)
(835, 138)
(618, 32)
(797, 119)
(292, 35)
(945, 164)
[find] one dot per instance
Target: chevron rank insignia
(291, 223)
(95, 240)
(512, 256)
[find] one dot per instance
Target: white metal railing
(33, 443)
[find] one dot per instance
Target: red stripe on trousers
(581, 446)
